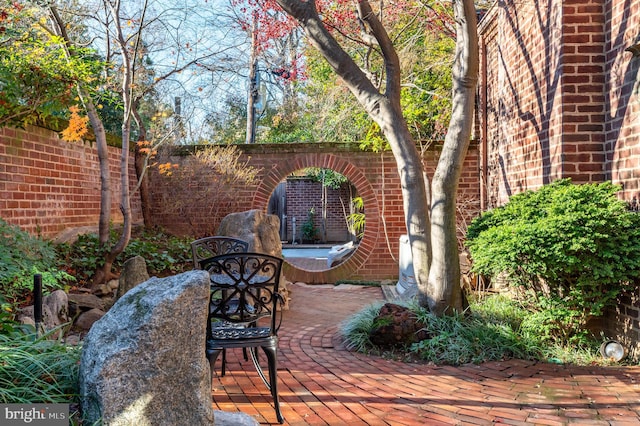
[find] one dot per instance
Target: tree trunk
(253, 85)
(103, 161)
(431, 227)
(98, 131)
(127, 101)
(105, 183)
(385, 110)
(140, 162)
(443, 293)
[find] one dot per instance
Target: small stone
(134, 272)
(397, 326)
(86, 319)
(83, 302)
(113, 284)
(223, 418)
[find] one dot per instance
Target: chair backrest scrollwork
(244, 288)
(207, 247)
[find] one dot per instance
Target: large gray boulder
(144, 362)
(260, 230)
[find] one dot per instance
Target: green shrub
(21, 257)
(163, 253)
(572, 249)
(308, 228)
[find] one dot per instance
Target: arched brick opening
(374, 175)
(364, 189)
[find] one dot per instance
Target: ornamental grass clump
(37, 369)
(570, 251)
(356, 329)
(488, 331)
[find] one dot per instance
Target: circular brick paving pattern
(321, 383)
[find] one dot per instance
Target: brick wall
(304, 194)
(374, 176)
(559, 97)
(622, 136)
(622, 96)
(48, 185)
(583, 90)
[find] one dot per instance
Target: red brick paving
(321, 383)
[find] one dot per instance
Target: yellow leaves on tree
(77, 127)
(166, 169)
(146, 148)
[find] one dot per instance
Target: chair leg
(224, 362)
(212, 355)
(270, 352)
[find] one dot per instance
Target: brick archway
(374, 175)
(364, 189)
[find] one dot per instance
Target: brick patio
(320, 383)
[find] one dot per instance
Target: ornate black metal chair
(207, 247)
(243, 310)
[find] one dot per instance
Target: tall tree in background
(123, 29)
(273, 63)
(430, 218)
(425, 54)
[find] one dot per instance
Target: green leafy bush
(163, 253)
(572, 249)
(21, 257)
(308, 228)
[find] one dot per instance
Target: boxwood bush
(571, 249)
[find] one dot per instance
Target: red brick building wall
(48, 185)
(622, 96)
(559, 97)
(374, 176)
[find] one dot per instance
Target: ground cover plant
(164, 254)
(490, 330)
(42, 369)
(21, 257)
